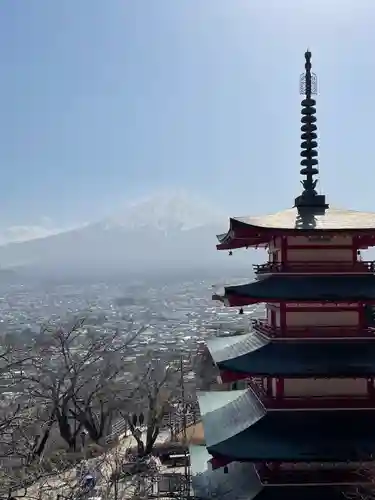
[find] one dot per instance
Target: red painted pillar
(354, 250)
(284, 250)
(269, 387)
(361, 317)
(279, 388)
(283, 325)
(370, 388)
(276, 466)
(273, 318)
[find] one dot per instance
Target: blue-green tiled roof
(227, 413)
(210, 401)
(255, 354)
(308, 288)
(235, 346)
(335, 436)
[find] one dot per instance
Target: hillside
(159, 232)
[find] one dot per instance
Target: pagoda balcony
(318, 402)
(315, 267)
(284, 475)
(351, 402)
(313, 332)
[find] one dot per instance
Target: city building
(303, 427)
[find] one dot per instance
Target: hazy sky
(106, 100)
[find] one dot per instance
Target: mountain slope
(163, 232)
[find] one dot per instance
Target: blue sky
(102, 101)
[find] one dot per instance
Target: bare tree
(157, 391)
(205, 369)
(121, 477)
(73, 375)
(17, 413)
(116, 477)
(76, 380)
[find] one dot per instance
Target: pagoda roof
(242, 482)
(332, 219)
(253, 230)
(256, 354)
(240, 429)
(228, 413)
(310, 288)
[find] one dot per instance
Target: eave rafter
(244, 234)
(297, 288)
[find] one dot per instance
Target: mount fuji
(163, 232)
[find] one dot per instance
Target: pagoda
(303, 425)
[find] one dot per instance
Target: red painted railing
(309, 402)
(313, 332)
(315, 266)
(299, 403)
(278, 474)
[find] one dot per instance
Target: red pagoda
(304, 425)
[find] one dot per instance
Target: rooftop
(311, 212)
(308, 288)
(239, 428)
(241, 482)
(255, 354)
(332, 219)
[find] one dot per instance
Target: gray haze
(162, 233)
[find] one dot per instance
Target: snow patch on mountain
(165, 231)
(165, 212)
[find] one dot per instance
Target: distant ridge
(163, 232)
(165, 212)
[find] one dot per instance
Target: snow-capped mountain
(165, 212)
(162, 232)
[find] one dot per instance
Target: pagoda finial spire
(308, 87)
